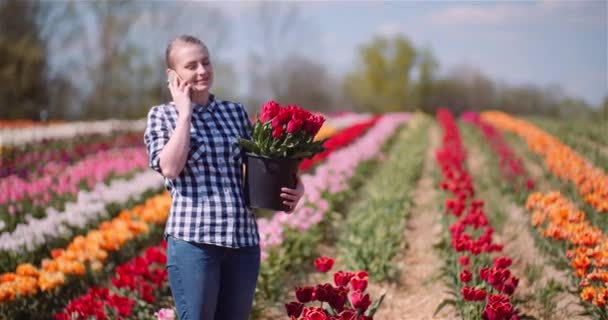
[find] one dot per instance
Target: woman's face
(193, 64)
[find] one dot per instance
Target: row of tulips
(346, 119)
(577, 128)
(339, 140)
(288, 241)
(69, 130)
(36, 237)
(24, 123)
(137, 289)
(511, 166)
(585, 246)
(20, 197)
(34, 160)
(484, 284)
(581, 137)
(386, 198)
(84, 252)
(561, 160)
(337, 123)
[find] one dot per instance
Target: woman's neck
(201, 97)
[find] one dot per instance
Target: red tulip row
(339, 140)
(484, 282)
(141, 279)
(511, 166)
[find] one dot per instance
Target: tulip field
(405, 216)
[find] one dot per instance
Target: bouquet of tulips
(284, 132)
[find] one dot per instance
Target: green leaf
(443, 304)
(376, 305)
(248, 145)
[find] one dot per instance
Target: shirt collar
(210, 104)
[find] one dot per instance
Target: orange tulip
(27, 270)
(588, 293)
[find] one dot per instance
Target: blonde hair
(183, 39)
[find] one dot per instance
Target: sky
(540, 43)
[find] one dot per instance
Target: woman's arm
(175, 153)
(168, 153)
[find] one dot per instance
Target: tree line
(76, 60)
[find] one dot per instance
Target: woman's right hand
(180, 91)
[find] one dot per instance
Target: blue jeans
(210, 282)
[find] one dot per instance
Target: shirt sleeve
(156, 137)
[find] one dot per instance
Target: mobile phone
(171, 77)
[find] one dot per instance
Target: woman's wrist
(184, 118)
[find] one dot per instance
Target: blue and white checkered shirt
(208, 200)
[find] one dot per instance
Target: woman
(213, 255)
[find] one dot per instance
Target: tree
(107, 65)
(382, 81)
(276, 37)
(426, 87)
(604, 109)
(304, 82)
(23, 67)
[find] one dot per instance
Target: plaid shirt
(208, 200)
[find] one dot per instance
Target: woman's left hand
(293, 196)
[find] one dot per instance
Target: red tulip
(347, 315)
(479, 295)
(305, 294)
(466, 276)
(314, 314)
(294, 308)
(282, 118)
(323, 292)
(358, 283)
(502, 262)
(359, 301)
(324, 264)
(277, 132)
(294, 125)
(269, 110)
(463, 261)
(342, 278)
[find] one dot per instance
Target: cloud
(575, 13)
(468, 15)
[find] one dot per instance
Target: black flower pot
(264, 178)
